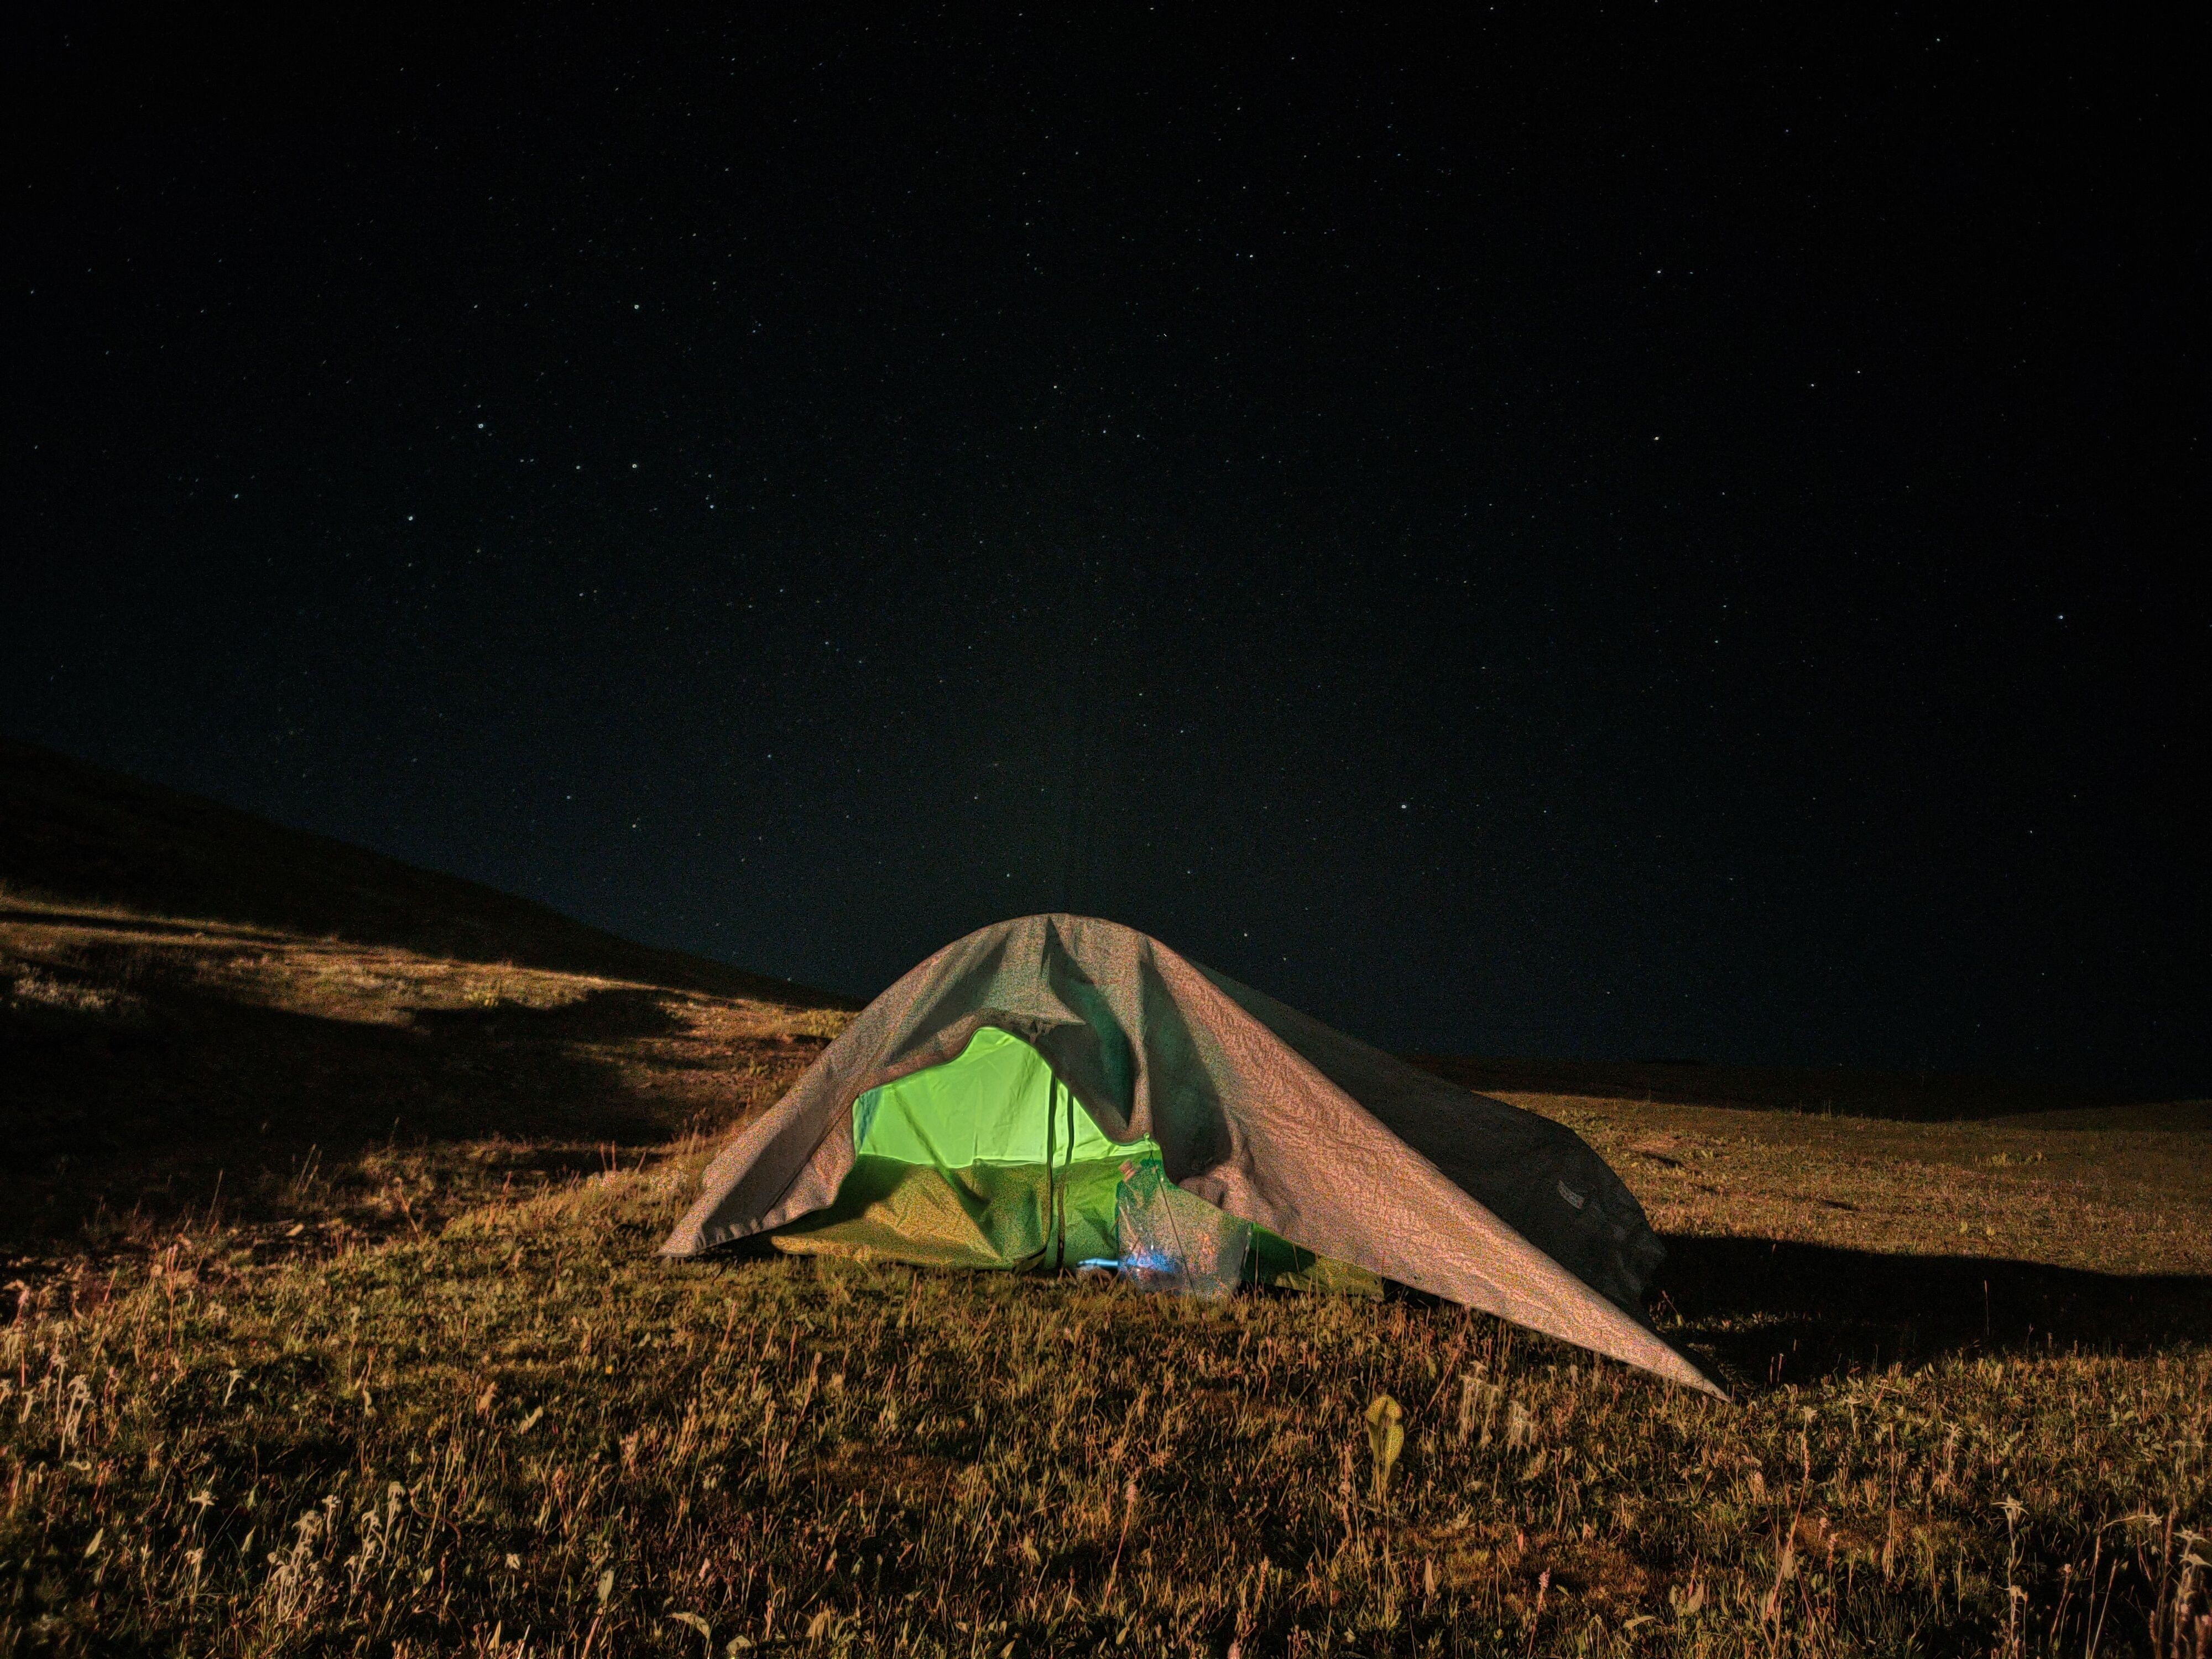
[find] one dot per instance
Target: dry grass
(528, 1435)
(2107, 1189)
(338, 1329)
(301, 1091)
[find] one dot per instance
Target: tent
(1057, 1090)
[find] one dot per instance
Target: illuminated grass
(531, 1436)
(284, 1378)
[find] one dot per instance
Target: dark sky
(1626, 533)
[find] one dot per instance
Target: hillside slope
(76, 835)
(329, 1221)
(207, 1018)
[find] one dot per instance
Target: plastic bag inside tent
(1172, 1242)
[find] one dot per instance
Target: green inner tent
(989, 1161)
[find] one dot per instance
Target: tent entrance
(986, 1161)
(989, 1161)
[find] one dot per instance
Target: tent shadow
(1772, 1311)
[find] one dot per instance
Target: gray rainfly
(1058, 1091)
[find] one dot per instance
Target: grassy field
(336, 1327)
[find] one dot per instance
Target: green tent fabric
(1001, 1104)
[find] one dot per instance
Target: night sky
(1626, 533)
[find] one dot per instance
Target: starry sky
(1623, 533)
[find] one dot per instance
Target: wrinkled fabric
(1259, 1111)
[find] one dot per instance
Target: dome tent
(1004, 1103)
